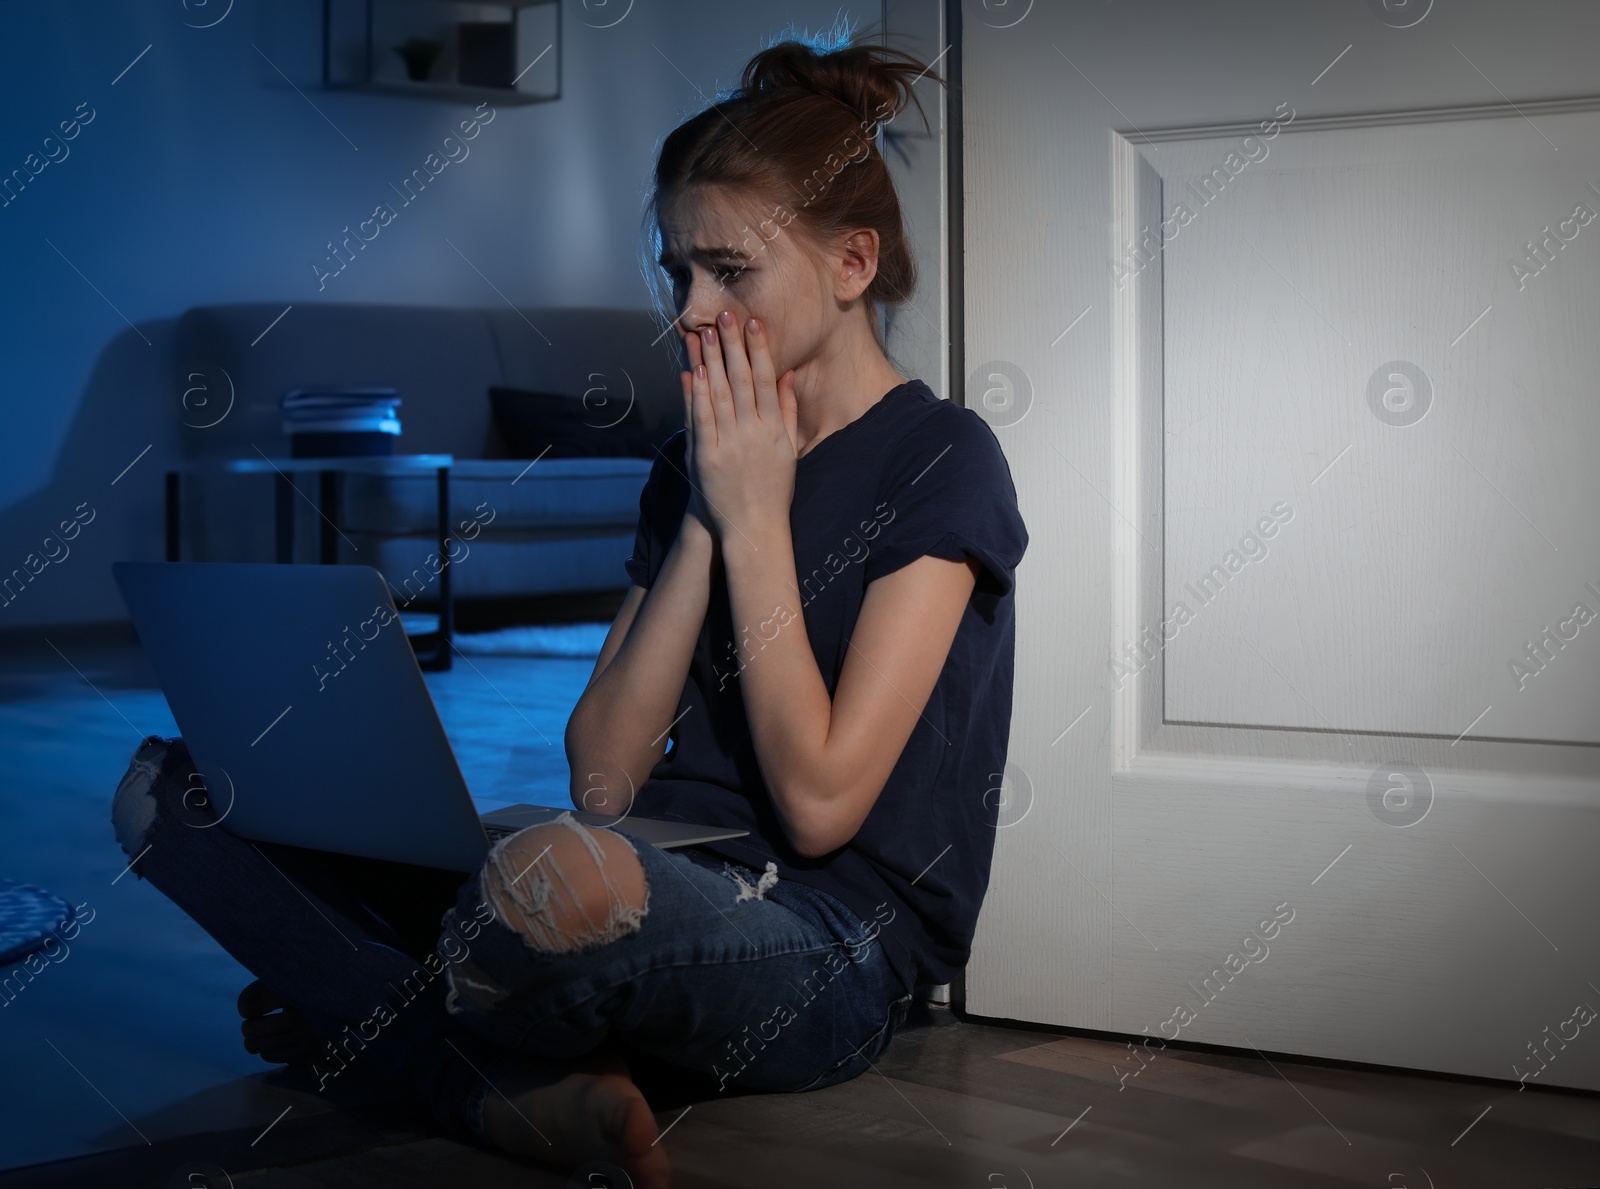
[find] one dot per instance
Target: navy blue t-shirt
(913, 475)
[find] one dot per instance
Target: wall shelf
(359, 36)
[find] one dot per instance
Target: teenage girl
(819, 624)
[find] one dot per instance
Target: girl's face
(721, 253)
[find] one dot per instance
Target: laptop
(302, 704)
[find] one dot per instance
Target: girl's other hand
(696, 517)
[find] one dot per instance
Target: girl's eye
(679, 278)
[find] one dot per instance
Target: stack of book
(340, 422)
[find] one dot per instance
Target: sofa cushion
(494, 566)
(548, 425)
(552, 496)
(625, 355)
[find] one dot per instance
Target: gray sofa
(561, 526)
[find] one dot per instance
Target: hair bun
(874, 81)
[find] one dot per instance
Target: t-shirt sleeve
(653, 537)
(949, 494)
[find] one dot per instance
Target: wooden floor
(961, 1104)
(124, 1069)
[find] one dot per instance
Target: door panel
(1363, 356)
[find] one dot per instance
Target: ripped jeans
(727, 981)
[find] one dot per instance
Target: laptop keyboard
(496, 832)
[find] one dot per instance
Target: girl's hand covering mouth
(742, 422)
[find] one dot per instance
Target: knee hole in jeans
(557, 885)
(135, 809)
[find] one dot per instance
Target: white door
(1288, 319)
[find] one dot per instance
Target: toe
(258, 999)
(283, 1038)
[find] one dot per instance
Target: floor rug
(557, 640)
(28, 915)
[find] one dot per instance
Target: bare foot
(592, 1113)
(275, 1030)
